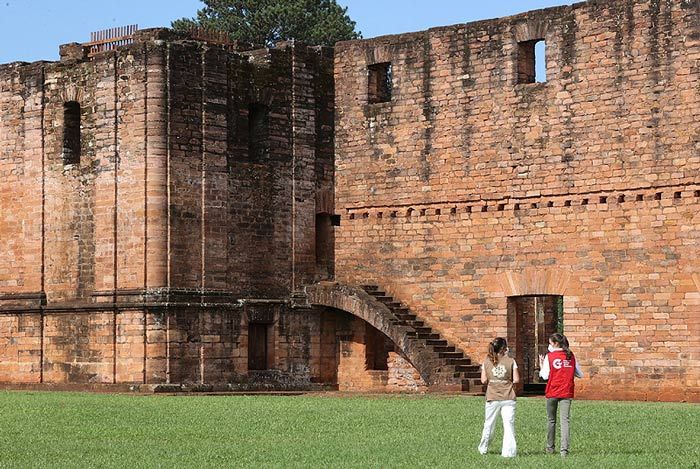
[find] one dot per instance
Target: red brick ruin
(179, 212)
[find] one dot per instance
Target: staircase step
(444, 348)
(382, 298)
(458, 361)
(468, 368)
(415, 324)
(438, 342)
(424, 330)
(370, 288)
(472, 386)
(405, 317)
(427, 335)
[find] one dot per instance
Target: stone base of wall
(198, 349)
(639, 392)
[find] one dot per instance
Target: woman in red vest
(499, 372)
(559, 368)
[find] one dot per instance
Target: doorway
(531, 320)
(259, 346)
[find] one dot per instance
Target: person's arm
(544, 367)
(577, 371)
(516, 373)
(484, 378)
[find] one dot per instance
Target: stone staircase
(454, 371)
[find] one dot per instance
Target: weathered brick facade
(167, 208)
(143, 254)
(467, 189)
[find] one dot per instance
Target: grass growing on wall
(99, 430)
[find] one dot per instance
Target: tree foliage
(264, 22)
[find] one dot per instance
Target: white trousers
(507, 411)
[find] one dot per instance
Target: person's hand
(541, 360)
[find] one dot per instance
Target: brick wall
(467, 187)
(135, 265)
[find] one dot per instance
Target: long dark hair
(496, 346)
(562, 342)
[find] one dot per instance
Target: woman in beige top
(499, 372)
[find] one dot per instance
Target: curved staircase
(454, 371)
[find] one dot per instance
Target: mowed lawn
(40, 429)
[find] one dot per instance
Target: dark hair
(562, 342)
(496, 346)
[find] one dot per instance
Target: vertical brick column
(303, 161)
(215, 190)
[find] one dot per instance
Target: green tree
(264, 22)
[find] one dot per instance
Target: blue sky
(33, 29)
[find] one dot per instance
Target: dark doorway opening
(259, 346)
(324, 246)
(531, 320)
(377, 347)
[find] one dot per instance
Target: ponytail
(562, 342)
(496, 346)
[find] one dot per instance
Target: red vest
(561, 375)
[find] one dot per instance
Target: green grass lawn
(99, 430)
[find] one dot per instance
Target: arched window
(532, 67)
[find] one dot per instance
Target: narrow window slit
(258, 131)
(71, 133)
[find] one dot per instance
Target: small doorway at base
(260, 346)
(531, 320)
